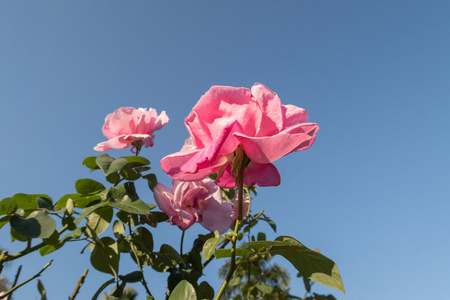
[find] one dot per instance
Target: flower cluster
(227, 125)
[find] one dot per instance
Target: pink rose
(196, 201)
(227, 117)
(129, 126)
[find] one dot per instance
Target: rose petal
(216, 215)
(219, 107)
(271, 109)
(172, 164)
(268, 149)
(261, 174)
(163, 197)
(254, 173)
(115, 143)
(293, 115)
(225, 179)
(223, 144)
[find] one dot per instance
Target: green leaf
(209, 247)
(264, 288)
(44, 203)
(124, 190)
(130, 174)
(110, 165)
(118, 229)
(74, 234)
(124, 197)
(87, 211)
(183, 291)
(253, 189)
(235, 280)
(143, 239)
(17, 236)
(169, 255)
(272, 224)
(88, 186)
(137, 161)
(52, 239)
(105, 256)
(47, 249)
(136, 166)
(37, 225)
(104, 161)
(310, 263)
(151, 180)
(205, 291)
(4, 221)
(137, 207)
(8, 206)
(27, 202)
(117, 165)
(82, 202)
(99, 219)
(90, 163)
(261, 236)
(221, 253)
(195, 259)
(153, 218)
(61, 203)
(42, 291)
(135, 276)
(113, 178)
(129, 219)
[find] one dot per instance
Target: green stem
(15, 281)
(181, 243)
(134, 250)
(79, 284)
(233, 267)
(28, 280)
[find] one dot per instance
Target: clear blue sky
(373, 191)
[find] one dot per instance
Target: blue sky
(372, 193)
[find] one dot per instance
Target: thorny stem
(28, 280)
(240, 184)
(79, 284)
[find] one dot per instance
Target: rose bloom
(129, 126)
(196, 201)
(228, 117)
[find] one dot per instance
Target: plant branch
(3, 258)
(79, 284)
(242, 159)
(134, 250)
(28, 280)
(15, 281)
